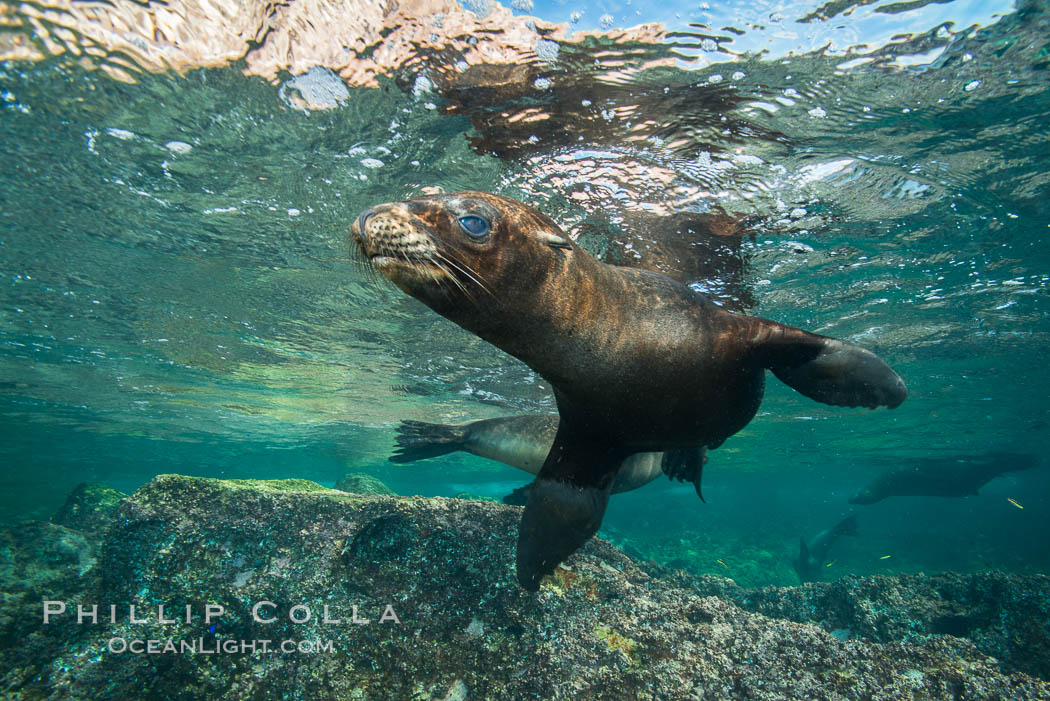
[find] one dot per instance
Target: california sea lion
(812, 556)
(519, 441)
(943, 477)
(638, 362)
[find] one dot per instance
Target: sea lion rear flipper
(565, 507)
(829, 370)
(685, 465)
(847, 526)
(519, 497)
(418, 440)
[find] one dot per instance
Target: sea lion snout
(363, 218)
(426, 246)
(391, 230)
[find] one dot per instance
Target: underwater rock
(39, 560)
(1007, 616)
(89, 507)
(600, 627)
(359, 483)
(470, 496)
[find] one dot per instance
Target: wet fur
(638, 362)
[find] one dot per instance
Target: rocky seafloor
(603, 627)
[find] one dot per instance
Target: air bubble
(481, 8)
(547, 50)
(421, 85)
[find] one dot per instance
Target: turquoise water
(179, 296)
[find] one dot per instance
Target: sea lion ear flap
(829, 370)
(554, 240)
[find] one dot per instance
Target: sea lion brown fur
(638, 362)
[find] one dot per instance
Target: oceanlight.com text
(213, 646)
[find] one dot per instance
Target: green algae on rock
(360, 483)
(89, 507)
(285, 560)
(40, 560)
(470, 496)
(1007, 616)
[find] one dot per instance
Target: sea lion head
(453, 251)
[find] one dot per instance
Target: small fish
(885, 557)
(722, 563)
(1014, 503)
(829, 563)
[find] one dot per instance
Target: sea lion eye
(476, 227)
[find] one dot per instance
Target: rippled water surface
(178, 293)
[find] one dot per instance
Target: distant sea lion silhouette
(813, 556)
(943, 477)
(638, 362)
(522, 442)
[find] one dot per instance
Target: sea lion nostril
(364, 218)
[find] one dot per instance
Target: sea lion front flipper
(829, 370)
(685, 465)
(565, 507)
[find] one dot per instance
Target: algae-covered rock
(89, 507)
(434, 579)
(359, 483)
(40, 561)
(476, 497)
(1006, 616)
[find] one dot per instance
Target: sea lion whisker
(449, 267)
(431, 265)
(466, 270)
(362, 263)
(450, 274)
(446, 290)
(365, 264)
